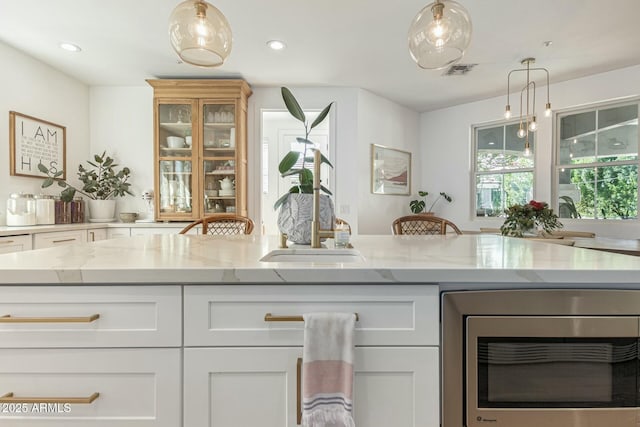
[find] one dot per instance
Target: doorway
(279, 133)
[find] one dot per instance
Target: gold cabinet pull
(64, 240)
(6, 241)
(271, 318)
(299, 391)
(7, 318)
(10, 398)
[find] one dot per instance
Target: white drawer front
(116, 232)
(234, 315)
(96, 234)
(129, 316)
(59, 238)
(10, 244)
(137, 387)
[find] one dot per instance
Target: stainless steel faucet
(316, 231)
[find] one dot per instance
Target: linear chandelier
(439, 34)
(199, 33)
(529, 123)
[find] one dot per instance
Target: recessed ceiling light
(492, 143)
(70, 47)
(547, 43)
(276, 44)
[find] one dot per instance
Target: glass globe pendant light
(199, 33)
(439, 34)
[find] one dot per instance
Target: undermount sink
(313, 255)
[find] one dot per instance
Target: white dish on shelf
(175, 142)
(227, 193)
(101, 219)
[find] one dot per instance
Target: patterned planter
(295, 215)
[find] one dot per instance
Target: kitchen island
(196, 331)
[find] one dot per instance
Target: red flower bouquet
(528, 218)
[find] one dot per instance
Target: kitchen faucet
(316, 231)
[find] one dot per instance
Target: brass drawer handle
(84, 319)
(10, 398)
(299, 390)
(5, 241)
(271, 318)
(65, 240)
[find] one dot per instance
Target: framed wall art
(33, 141)
(390, 171)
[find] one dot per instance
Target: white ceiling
(352, 43)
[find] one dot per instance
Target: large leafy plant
(288, 164)
(100, 183)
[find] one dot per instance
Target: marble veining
(183, 259)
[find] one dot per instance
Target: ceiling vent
(458, 69)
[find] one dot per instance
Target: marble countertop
(182, 259)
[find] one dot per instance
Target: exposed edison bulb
(533, 126)
(527, 150)
(547, 110)
(438, 32)
(521, 132)
(507, 112)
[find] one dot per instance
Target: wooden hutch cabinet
(200, 148)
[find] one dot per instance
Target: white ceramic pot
(296, 214)
(102, 210)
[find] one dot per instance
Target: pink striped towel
(327, 370)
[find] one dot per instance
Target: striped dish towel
(327, 370)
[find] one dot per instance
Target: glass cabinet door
(176, 158)
(219, 157)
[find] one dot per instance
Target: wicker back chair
(422, 224)
(222, 225)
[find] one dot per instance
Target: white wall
(446, 137)
(30, 87)
(384, 122)
(121, 122)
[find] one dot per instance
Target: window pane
(619, 142)
(606, 192)
(518, 188)
(577, 124)
(577, 150)
(617, 192)
(617, 115)
(514, 149)
(489, 195)
(490, 154)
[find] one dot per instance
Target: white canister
(21, 209)
(45, 210)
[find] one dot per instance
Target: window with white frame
(596, 167)
(503, 172)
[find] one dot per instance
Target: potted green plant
(294, 216)
(101, 183)
(526, 219)
(417, 206)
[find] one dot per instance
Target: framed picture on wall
(390, 171)
(33, 141)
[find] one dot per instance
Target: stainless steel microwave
(552, 358)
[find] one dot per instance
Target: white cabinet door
(136, 387)
(234, 387)
(230, 387)
(59, 238)
(96, 234)
(397, 387)
(10, 244)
